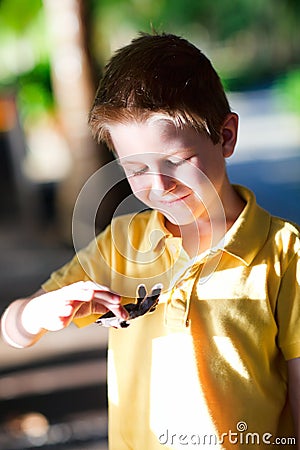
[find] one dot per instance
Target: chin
(180, 219)
(184, 214)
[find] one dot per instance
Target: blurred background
(52, 53)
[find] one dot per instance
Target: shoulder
(285, 233)
(136, 219)
(279, 232)
(133, 224)
(284, 239)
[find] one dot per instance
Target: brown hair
(160, 73)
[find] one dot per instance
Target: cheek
(139, 186)
(190, 175)
(201, 174)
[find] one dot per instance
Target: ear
(229, 132)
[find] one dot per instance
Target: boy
(214, 363)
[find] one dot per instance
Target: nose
(163, 184)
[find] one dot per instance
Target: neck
(206, 231)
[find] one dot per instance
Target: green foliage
(17, 15)
(288, 87)
(249, 41)
(24, 54)
(34, 92)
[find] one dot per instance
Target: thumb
(78, 292)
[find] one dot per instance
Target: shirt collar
(155, 231)
(249, 232)
(243, 240)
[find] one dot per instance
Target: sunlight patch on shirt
(230, 354)
(277, 268)
(298, 273)
(234, 283)
(176, 398)
(113, 392)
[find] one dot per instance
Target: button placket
(178, 305)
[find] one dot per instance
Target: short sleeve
(288, 310)
(91, 263)
(65, 275)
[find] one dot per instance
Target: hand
(55, 310)
(144, 304)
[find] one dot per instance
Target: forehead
(156, 135)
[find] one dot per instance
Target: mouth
(174, 201)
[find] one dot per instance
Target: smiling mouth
(176, 200)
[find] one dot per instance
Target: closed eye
(178, 162)
(134, 173)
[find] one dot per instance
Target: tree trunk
(74, 90)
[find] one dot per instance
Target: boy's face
(178, 172)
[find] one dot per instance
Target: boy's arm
(294, 393)
(12, 330)
(25, 321)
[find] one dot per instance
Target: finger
(115, 308)
(88, 290)
(119, 311)
(107, 297)
(99, 308)
(70, 308)
(74, 292)
(90, 285)
(86, 309)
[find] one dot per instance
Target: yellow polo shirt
(207, 369)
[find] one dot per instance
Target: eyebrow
(132, 163)
(172, 153)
